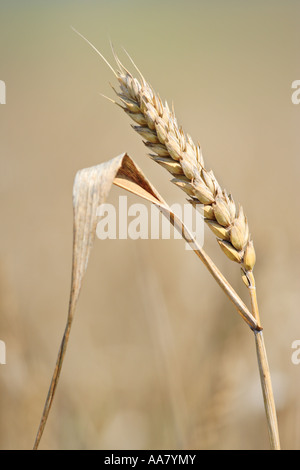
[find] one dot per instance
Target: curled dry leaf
(91, 188)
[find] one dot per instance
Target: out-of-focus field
(158, 358)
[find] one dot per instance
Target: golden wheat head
(175, 150)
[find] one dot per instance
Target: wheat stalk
(175, 150)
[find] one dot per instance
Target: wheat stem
(53, 384)
(267, 390)
(264, 370)
(253, 296)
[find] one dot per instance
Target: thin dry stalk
(175, 151)
(267, 390)
(87, 195)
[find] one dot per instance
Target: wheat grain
(175, 150)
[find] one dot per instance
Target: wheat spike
(175, 150)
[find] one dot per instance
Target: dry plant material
(91, 188)
(174, 150)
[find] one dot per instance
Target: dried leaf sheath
(175, 151)
(91, 188)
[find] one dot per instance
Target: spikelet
(174, 150)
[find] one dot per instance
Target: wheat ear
(175, 150)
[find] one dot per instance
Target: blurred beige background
(158, 357)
